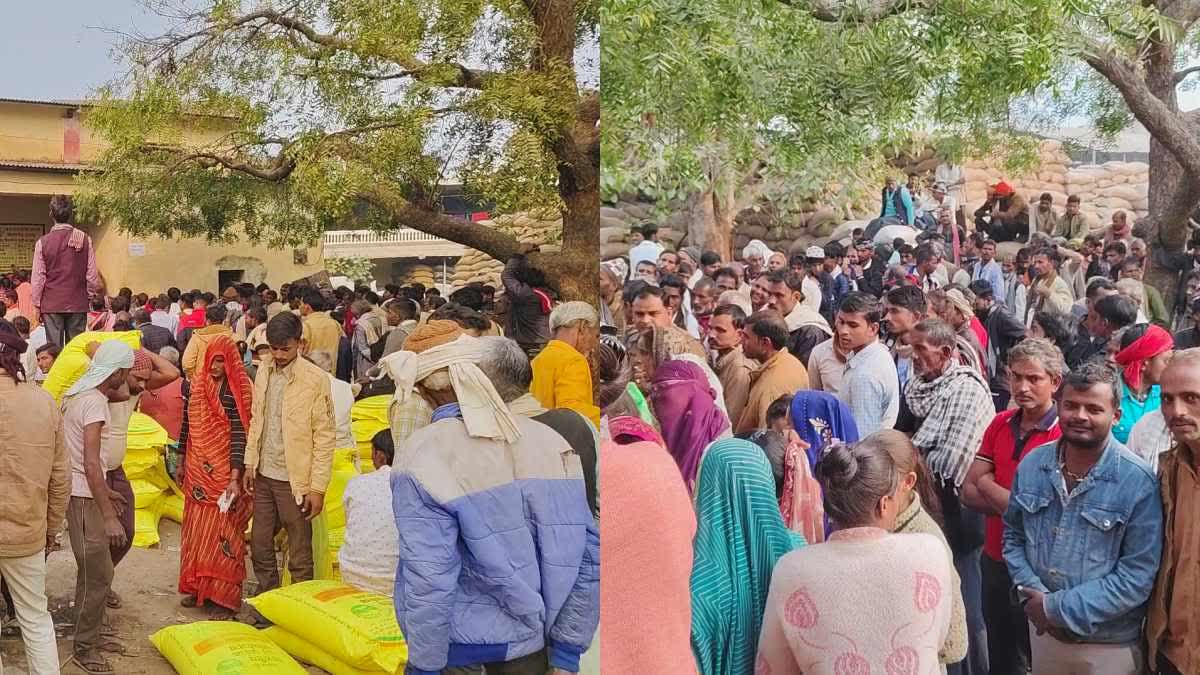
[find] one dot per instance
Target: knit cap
(432, 334)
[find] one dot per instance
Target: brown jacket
(781, 374)
(1169, 466)
(35, 474)
(735, 372)
(309, 435)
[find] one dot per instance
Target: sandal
(188, 601)
(113, 600)
(111, 646)
(92, 662)
(218, 613)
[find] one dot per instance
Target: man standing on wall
(64, 274)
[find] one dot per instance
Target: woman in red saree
(212, 563)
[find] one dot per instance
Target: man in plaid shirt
(954, 407)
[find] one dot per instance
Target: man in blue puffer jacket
(499, 554)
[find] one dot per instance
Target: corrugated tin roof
(64, 103)
(42, 166)
(79, 103)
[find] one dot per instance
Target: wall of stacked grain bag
(476, 266)
(1102, 188)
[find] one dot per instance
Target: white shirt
(811, 288)
(371, 549)
(343, 401)
(951, 175)
(825, 370)
(166, 320)
(1149, 438)
(37, 338)
(871, 388)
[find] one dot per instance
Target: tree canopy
(281, 119)
(779, 98)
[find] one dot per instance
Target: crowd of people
(974, 453)
(478, 516)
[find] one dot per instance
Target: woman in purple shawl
(687, 412)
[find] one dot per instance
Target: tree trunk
(1172, 193)
(710, 222)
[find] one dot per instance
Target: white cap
(815, 253)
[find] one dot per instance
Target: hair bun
(838, 465)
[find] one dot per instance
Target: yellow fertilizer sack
(363, 431)
(145, 526)
(356, 627)
(226, 647)
(140, 463)
(372, 408)
(73, 362)
(172, 507)
(146, 494)
(145, 432)
(307, 652)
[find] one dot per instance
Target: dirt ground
(146, 581)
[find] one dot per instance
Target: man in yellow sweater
(562, 377)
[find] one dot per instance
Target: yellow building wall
(152, 265)
(32, 132)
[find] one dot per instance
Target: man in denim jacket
(1083, 536)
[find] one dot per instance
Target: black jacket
(528, 307)
(1004, 331)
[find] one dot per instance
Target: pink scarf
(800, 502)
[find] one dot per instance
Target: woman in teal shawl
(739, 536)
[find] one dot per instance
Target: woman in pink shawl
(686, 408)
(645, 602)
(626, 430)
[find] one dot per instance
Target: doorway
(227, 278)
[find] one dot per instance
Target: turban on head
(432, 334)
(110, 356)
(1133, 358)
(484, 412)
(1003, 189)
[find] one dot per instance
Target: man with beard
(953, 407)
(704, 300)
(1004, 331)
(1035, 370)
(1083, 536)
(1048, 290)
(1172, 633)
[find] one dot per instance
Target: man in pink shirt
(64, 274)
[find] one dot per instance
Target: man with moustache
(1172, 629)
(806, 327)
(1083, 536)
(728, 361)
(1034, 372)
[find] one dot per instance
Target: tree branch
(1168, 126)
(279, 169)
(328, 43)
(403, 213)
(857, 11)
(1182, 74)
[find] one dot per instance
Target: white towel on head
(757, 245)
(484, 412)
